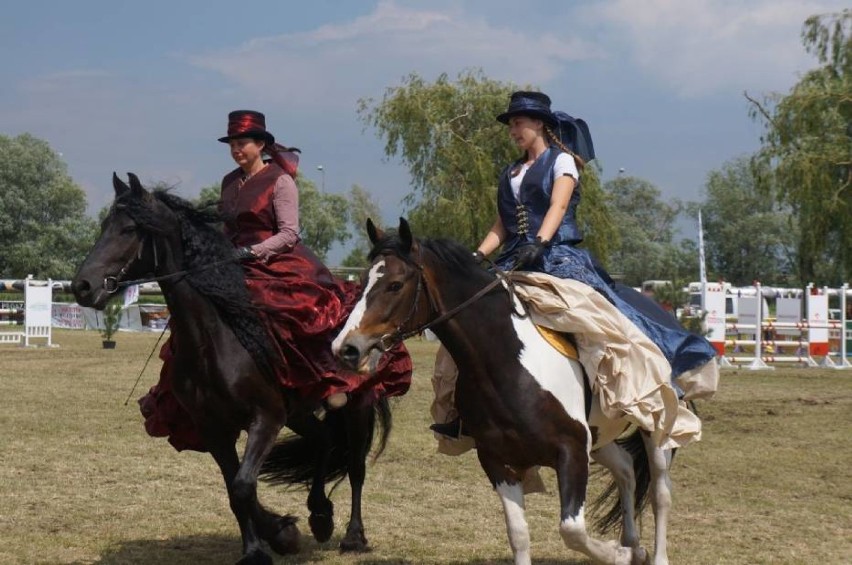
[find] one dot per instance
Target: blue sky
(146, 86)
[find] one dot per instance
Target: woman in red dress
(302, 305)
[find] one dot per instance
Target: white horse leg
(659, 461)
(619, 462)
(512, 498)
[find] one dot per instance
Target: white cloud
(701, 46)
(335, 64)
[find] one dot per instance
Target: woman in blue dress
(536, 226)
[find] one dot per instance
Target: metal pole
(321, 169)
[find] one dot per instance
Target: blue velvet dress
(522, 217)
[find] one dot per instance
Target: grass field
(80, 482)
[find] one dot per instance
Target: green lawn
(80, 482)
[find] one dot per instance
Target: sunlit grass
(80, 482)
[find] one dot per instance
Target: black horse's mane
(205, 244)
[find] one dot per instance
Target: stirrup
(451, 429)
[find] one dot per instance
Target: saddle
(561, 342)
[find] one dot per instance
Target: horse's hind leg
(572, 472)
(619, 462)
(659, 461)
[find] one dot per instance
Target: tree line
(781, 215)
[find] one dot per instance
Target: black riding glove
(530, 254)
(479, 257)
(244, 254)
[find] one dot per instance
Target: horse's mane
(204, 244)
(451, 253)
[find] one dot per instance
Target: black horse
(525, 404)
(224, 377)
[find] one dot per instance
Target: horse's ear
(135, 185)
(405, 234)
(119, 185)
(375, 234)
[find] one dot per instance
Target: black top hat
(247, 123)
(532, 104)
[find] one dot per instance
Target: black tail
(293, 461)
(634, 445)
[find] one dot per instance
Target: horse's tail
(634, 445)
(293, 461)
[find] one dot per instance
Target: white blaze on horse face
(377, 271)
(554, 372)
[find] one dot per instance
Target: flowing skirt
(303, 307)
(684, 351)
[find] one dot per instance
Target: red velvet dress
(303, 307)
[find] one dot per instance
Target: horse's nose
(81, 289)
(350, 355)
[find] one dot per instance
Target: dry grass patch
(771, 482)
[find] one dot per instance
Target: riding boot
(452, 429)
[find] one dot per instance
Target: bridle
(114, 283)
(390, 340)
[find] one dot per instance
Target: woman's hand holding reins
(244, 254)
(530, 253)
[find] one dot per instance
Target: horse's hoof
(354, 542)
(286, 540)
(322, 526)
(640, 556)
(255, 557)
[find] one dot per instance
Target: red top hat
(248, 123)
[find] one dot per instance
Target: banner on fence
(68, 316)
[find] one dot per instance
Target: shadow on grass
(207, 549)
(225, 550)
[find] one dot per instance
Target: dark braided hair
(554, 139)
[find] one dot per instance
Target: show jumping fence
(789, 337)
(38, 303)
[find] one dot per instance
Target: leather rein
(114, 283)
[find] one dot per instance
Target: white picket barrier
(38, 301)
(810, 336)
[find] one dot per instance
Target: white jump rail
(817, 327)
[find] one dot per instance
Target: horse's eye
(395, 286)
(129, 229)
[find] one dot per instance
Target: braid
(555, 140)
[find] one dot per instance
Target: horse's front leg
(225, 454)
(255, 522)
(360, 420)
(321, 519)
(659, 460)
(511, 491)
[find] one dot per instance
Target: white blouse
(564, 165)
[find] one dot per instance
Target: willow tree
(446, 134)
(808, 143)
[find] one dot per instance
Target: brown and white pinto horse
(525, 404)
